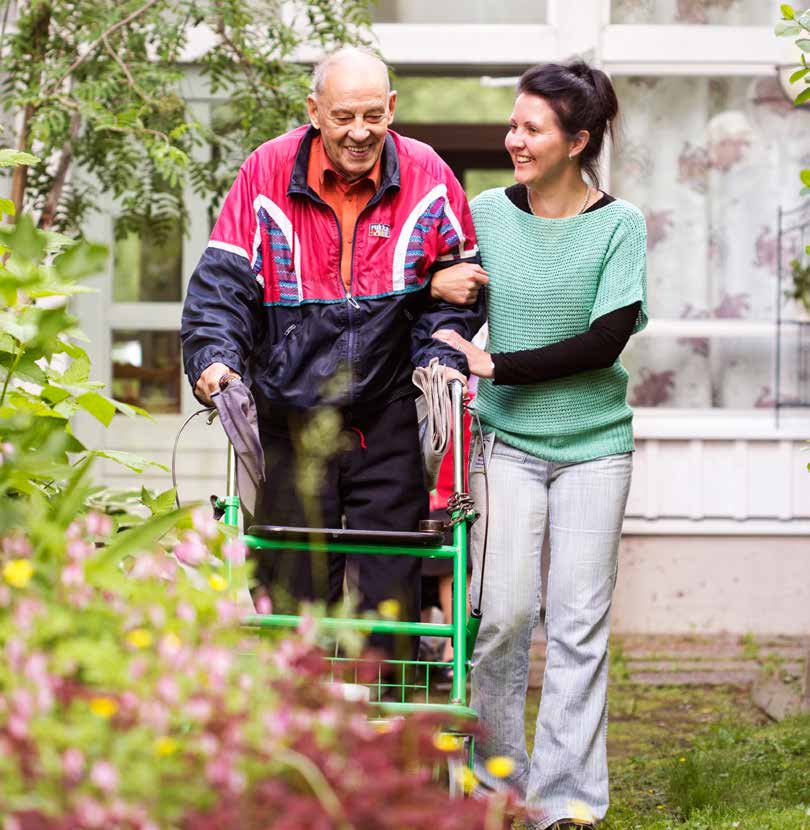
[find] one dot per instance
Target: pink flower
(228, 612)
(204, 523)
(235, 550)
(186, 612)
(79, 550)
(74, 530)
(191, 550)
(157, 615)
(16, 546)
(199, 709)
(264, 604)
(72, 575)
(72, 764)
(104, 776)
(168, 690)
(91, 814)
(99, 524)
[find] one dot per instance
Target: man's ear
(312, 109)
(392, 105)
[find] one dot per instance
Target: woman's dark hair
(583, 98)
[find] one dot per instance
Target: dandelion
(18, 572)
(218, 582)
(500, 766)
(139, 638)
(466, 779)
(165, 746)
(659, 807)
(681, 760)
(103, 707)
(389, 609)
(446, 742)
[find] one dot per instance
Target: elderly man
(316, 287)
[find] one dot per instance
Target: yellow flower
(389, 609)
(139, 638)
(500, 766)
(447, 743)
(103, 707)
(165, 746)
(681, 760)
(660, 807)
(466, 779)
(217, 582)
(580, 811)
(18, 572)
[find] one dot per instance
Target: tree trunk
(40, 27)
(55, 193)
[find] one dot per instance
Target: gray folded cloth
(433, 411)
(237, 412)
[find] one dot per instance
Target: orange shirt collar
(320, 164)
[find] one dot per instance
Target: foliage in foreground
(130, 696)
(100, 86)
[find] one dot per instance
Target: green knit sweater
(549, 280)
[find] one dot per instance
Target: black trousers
(330, 465)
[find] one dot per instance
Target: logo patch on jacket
(379, 229)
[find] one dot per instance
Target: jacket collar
(389, 170)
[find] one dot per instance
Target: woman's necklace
(584, 203)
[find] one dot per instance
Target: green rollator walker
(402, 686)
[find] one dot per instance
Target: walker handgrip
(457, 401)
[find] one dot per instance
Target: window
(709, 161)
(705, 12)
(146, 369)
(470, 11)
(149, 268)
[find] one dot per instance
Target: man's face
(353, 112)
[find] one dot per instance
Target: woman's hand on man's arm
(479, 361)
(458, 284)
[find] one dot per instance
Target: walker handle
(457, 402)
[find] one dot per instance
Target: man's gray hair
(323, 66)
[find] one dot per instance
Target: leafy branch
(796, 23)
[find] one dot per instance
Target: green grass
(700, 758)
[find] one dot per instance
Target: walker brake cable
(213, 414)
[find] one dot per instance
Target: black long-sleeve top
(596, 348)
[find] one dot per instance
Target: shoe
(571, 824)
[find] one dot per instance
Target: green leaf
(805, 177)
(11, 158)
(787, 11)
(787, 29)
(161, 503)
(7, 207)
(798, 75)
(78, 371)
(802, 97)
(804, 20)
(98, 406)
(25, 241)
(82, 260)
(803, 44)
(71, 498)
(137, 540)
(130, 460)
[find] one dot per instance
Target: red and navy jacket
(267, 299)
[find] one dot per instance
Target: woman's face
(538, 146)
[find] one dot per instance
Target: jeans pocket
(481, 450)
